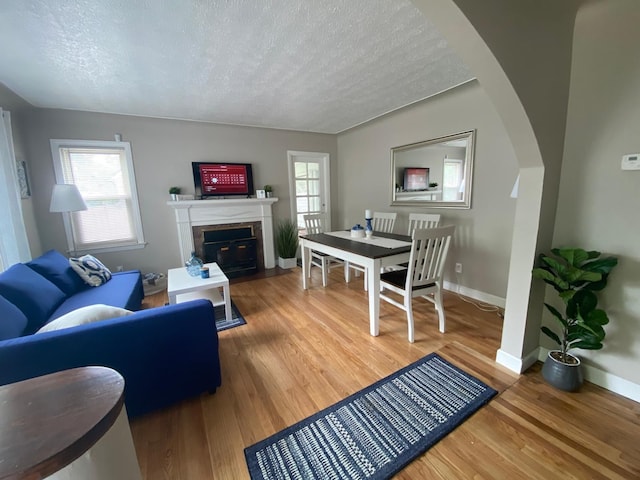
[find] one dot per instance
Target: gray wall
(598, 206)
(483, 234)
(162, 154)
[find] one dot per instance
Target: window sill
(119, 248)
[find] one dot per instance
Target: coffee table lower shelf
(212, 294)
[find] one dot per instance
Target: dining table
(374, 253)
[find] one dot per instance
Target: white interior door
(309, 185)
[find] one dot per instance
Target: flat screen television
(216, 179)
(416, 178)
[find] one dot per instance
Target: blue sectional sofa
(165, 354)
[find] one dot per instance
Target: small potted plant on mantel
(287, 243)
(576, 275)
(174, 192)
(268, 189)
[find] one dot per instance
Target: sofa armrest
(165, 354)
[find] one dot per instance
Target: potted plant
(576, 275)
(174, 192)
(268, 189)
(287, 243)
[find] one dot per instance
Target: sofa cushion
(88, 314)
(12, 320)
(55, 267)
(91, 270)
(33, 294)
(124, 290)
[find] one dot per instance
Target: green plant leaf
(586, 301)
(597, 317)
(566, 295)
(553, 263)
(549, 333)
(602, 265)
(573, 256)
(587, 345)
(287, 238)
(556, 314)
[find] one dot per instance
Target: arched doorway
(521, 55)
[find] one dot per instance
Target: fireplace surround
(195, 217)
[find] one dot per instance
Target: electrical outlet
(458, 268)
(119, 268)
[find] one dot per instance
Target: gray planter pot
(564, 376)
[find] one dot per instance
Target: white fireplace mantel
(194, 213)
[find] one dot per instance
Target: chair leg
(408, 307)
(324, 272)
(437, 296)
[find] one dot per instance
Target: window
(308, 185)
(453, 183)
(103, 172)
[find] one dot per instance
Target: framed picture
(261, 194)
(23, 179)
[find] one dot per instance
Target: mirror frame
(467, 172)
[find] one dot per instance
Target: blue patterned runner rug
(375, 432)
(221, 319)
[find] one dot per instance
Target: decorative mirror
(434, 173)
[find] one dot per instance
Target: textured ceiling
(312, 65)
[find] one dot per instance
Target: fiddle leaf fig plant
(576, 275)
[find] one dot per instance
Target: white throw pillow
(88, 314)
(91, 270)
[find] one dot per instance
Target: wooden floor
(302, 351)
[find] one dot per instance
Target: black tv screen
(416, 178)
(216, 179)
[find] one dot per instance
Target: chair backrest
(384, 221)
(314, 223)
(429, 247)
(423, 220)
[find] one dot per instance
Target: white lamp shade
(66, 198)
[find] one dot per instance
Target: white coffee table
(182, 287)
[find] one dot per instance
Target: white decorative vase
(287, 263)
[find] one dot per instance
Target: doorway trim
(325, 182)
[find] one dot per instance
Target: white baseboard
(475, 294)
(516, 364)
(592, 374)
(604, 379)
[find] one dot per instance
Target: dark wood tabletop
(48, 422)
(361, 248)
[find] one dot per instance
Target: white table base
(373, 266)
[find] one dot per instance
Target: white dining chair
(315, 223)
(423, 220)
(383, 221)
(423, 276)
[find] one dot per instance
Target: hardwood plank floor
(302, 351)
